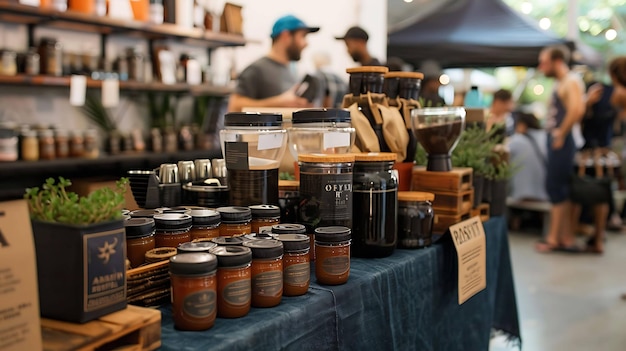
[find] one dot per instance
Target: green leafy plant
(53, 203)
(161, 110)
(97, 113)
(475, 150)
(286, 176)
(421, 157)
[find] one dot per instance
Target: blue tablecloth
(407, 301)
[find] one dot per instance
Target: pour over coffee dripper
(438, 131)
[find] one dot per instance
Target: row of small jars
(225, 280)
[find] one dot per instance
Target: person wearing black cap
(356, 42)
(268, 82)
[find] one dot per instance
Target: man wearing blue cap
(268, 82)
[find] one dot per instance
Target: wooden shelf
(50, 81)
(22, 14)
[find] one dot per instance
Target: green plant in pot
(502, 171)
(99, 115)
(81, 250)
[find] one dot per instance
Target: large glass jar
(415, 219)
(325, 190)
(235, 220)
(264, 217)
(332, 247)
(326, 131)
(194, 290)
(172, 229)
(375, 205)
(267, 272)
(253, 145)
(296, 264)
(139, 239)
(234, 280)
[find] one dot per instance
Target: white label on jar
(336, 139)
(270, 141)
(110, 92)
(78, 89)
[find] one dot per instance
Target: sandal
(592, 246)
(543, 246)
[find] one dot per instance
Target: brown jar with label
(264, 217)
(206, 223)
(332, 247)
(30, 146)
(296, 264)
(234, 280)
(91, 149)
(194, 247)
(46, 145)
(172, 229)
(77, 144)
(194, 290)
(139, 239)
(289, 228)
(235, 221)
(267, 272)
(62, 143)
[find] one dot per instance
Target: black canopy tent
(472, 33)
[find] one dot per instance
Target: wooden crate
(458, 179)
(482, 211)
(453, 203)
(148, 285)
(442, 221)
(134, 328)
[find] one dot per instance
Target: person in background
(429, 92)
(356, 42)
(500, 111)
(396, 64)
(268, 82)
(567, 108)
(331, 87)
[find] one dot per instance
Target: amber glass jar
(46, 145)
(206, 223)
(194, 247)
(229, 240)
(264, 217)
(235, 221)
(288, 228)
(234, 280)
(30, 146)
(139, 239)
(62, 143)
(267, 272)
(296, 264)
(77, 144)
(194, 290)
(332, 247)
(172, 229)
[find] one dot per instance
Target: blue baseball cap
(290, 23)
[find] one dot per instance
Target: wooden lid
(413, 75)
(331, 158)
(375, 156)
(415, 196)
(288, 183)
(368, 69)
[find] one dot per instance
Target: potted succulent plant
(81, 250)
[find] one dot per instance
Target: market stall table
(407, 301)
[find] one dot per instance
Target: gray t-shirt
(264, 78)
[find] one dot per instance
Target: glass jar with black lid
(235, 220)
(292, 228)
(139, 239)
(415, 219)
(264, 217)
(327, 131)
(194, 247)
(172, 229)
(375, 205)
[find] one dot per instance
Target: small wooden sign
(471, 250)
(19, 302)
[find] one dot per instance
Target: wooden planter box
(80, 269)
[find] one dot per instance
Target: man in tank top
(567, 108)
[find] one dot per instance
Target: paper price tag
(270, 141)
(78, 90)
(336, 139)
(471, 250)
(110, 92)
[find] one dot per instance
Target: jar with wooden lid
(139, 239)
(172, 229)
(229, 240)
(267, 272)
(366, 79)
(194, 290)
(296, 264)
(264, 217)
(46, 145)
(290, 228)
(205, 223)
(332, 247)
(193, 247)
(234, 280)
(235, 220)
(30, 145)
(325, 190)
(405, 85)
(375, 210)
(61, 143)
(415, 219)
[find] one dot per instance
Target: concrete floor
(569, 302)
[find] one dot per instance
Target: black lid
(259, 236)
(198, 263)
(232, 256)
(199, 246)
(204, 216)
(143, 213)
(139, 227)
(177, 209)
(317, 115)
(265, 211)
(7, 133)
(228, 241)
(253, 119)
(172, 221)
(234, 214)
(288, 228)
(265, 248)
(294, 242)
(332, 234)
